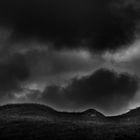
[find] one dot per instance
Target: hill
(41, 111)
(34, 121)
(131, 117)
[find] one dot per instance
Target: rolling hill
(34, 121)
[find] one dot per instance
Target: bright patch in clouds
(125, 55)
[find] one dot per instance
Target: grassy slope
(40, 122)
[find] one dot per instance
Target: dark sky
(71, 54)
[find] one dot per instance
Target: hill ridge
(47, 108)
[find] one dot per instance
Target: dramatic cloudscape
(71, 54)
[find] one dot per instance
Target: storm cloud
(13, 71)
(104, 90)
(71, 54)
(96, 24)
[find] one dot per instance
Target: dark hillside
(39, 122)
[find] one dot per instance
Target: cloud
(124, 60)
(125, 55)
(66, 79)
(96, 24)
(13, 71)
(42, 68)
(104, 90)
(71, 54)
(58, 67)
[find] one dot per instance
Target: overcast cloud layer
(71, 54)
(96, 24)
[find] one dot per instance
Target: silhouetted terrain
(34, 121)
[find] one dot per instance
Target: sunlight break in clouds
(125, 55)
